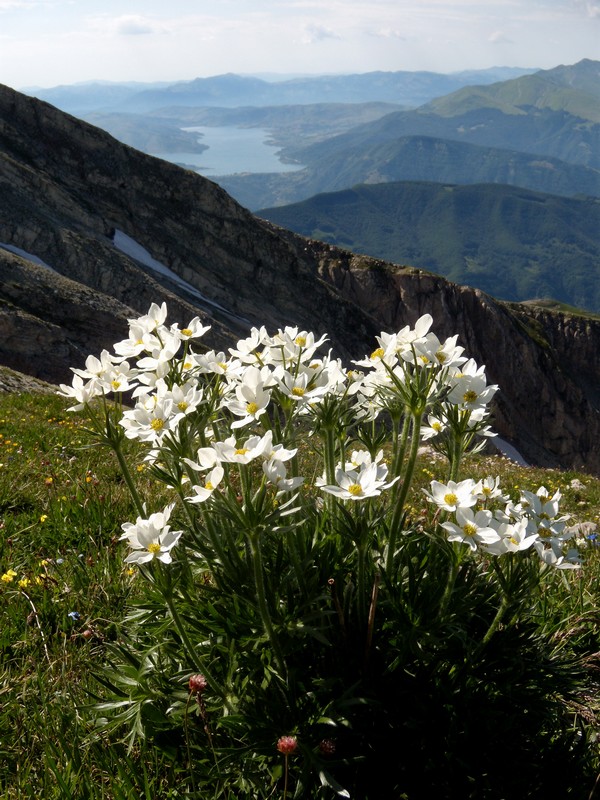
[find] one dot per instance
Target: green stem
(496, 621)
(128, 479)
(457, 556)
(259, 581)
(400, 443)
(360, 581)
(198, 663)
(285, 785)
(403, 492)
(330, 455)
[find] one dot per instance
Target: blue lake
(232, 150)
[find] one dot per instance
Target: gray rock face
(66, 187)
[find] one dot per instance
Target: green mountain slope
(575, 89)
(415, 158)
(512, 243)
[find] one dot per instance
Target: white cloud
(317, 33)
(388, 33)
(499, 37)
(134, 25)
(125, 25)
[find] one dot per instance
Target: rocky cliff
(92, 231)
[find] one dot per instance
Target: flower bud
(287, 745)
(197, 683)
(327, 747)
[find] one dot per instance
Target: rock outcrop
(115, 230)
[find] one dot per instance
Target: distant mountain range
(231, 90)
(523, 132)
(513, 243)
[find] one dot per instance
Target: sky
(52, 42)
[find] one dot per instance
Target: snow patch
(28, 256)
(509, 451)
(135, 250)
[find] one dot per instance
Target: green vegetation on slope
(510, 242)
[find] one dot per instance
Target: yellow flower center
(450, 499)
(187, 331)
(157, 424)
(437, 426)
(423, 359)
(182, 406)
(300, 341)
(115, 384)
(379, 353)
(208, 485)
(251, 408)
(441, 356)
(469, 529)
(470, 396)
(154, 547)
(355, 489)
(241, 451)
(298, 391)
(223, 366)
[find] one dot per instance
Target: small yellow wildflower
(9, 576)
(44, 517)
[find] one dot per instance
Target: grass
(64, 590)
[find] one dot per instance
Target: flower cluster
(202, 413)
(534, 521)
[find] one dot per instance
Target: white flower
(429, 351)
(552, 555)
(276, 473)
(159, 358)
(217, 363)
(82, 392)
(300, 386)
(451, 496)
(357, 484)
(119, 378)
(469, 387)
(149, 421)
(246, 349)
(202, 493)
(292, 346)
(154, 319)
(252, 398)
(471, 528)
(514, 537)
(435, 426)
(543, 511)
(254, 447)
(95, 368)
(151, 538)
(193, 330)
(185, 398)
(489, 489)
(139, 341)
